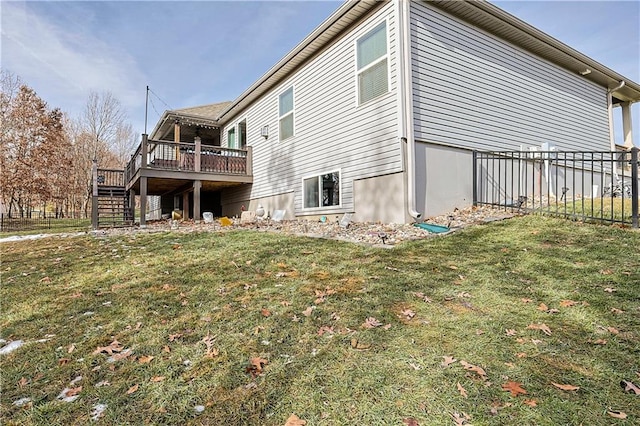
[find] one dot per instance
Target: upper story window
(285, 113)
(372, 61)
(231, 138)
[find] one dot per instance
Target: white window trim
(322, 208)
(236, 129)
(235, 132)
(387, 56)
(293, 111)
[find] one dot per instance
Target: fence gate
(589, 186)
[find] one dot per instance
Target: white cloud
(64, 63)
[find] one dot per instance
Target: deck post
(196, 159)
(143, 201)
(635, 165)
(94, 194)
(196, 200)
(249, 160)
(132, 205)
(143, 152)
(185, 205)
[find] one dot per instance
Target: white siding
(476, 91)
(331, 131)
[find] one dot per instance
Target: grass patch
(595, 210)
(350, 334)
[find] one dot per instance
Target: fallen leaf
(530, 402)
(543, 307)
(408, 313)
(72, 348)
(166, 349)
(606, 272)
(132, 389)
(567, 303)
(23, 382)
(630, 387)
(145, 359)
(256, 366)
(609, 290)
(173, 337)
(447, 360)
(510, 332)
(526, 300)
(356, 344)
(462, 390)
(474, 368)
(114, 346)
(325, 330)
(460, 419)
(156, 379)
(63, 361)
(307, 311)
(565, 387)
(45, 280)
(265, 312)
(294, 420)
(599, 342)
(122, 355)
(285, 303)
(521, 355)
(514, 388)
(73, 391)
(542, 327)
(410, 421)
(617, 414)
(613, 330)
(371, 322)
(616, 311)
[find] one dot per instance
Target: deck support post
(132, 205)
(196, 200)
(196, 158)
(185, 205)
(94, 194)
(143, 201)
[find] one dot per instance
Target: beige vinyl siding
(473, 90)
(331, 131)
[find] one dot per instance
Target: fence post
(635, 165)
(94, 195)
(474, 169)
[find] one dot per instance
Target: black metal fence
(43, 222)
(588, 186)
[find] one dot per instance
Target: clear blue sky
(194, 53)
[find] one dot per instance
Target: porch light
(264, 132)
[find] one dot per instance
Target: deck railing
(188, 157)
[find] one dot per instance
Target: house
(377, 113)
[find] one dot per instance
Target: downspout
(612, 141)
(406, 104)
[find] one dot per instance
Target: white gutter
(406, 103)
(612, 140)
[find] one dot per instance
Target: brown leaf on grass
(567, 303)
(514, 388)
(166, 349)
(617, 414)
(462, 390)
(132, 389)
(145, 359)
(610, 289)
(542, 327)
(599, 342)
(294, 420)
(114, 346)
(407, 314)
(285, 303)
(510, 332)
(256, 366)
(173, 337)
(606, 271)
(265, 312)
(521, 355)
(122, 355)
(460, 419)
(63, 361)
(45, 280)
(371, 322)
(23, 382)
(543, 307)
(530, 402)
(211, 351)
(526, 300)
(613, 330)
(565, 387)
(308, 311)
(474, 368)
(156, 379)
(617, 311)
(410, 421)
(422, 296)
(630, 387)
(71, 348)
(361, 346)
(447, 361)
(73, 391)
(325, 330)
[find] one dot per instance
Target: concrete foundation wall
(444, 179)
(380, 198)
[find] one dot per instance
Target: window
(231, 138)
(373, 79)
(322, 191)
(242, 134)
(285, 108)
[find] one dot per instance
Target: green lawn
(246, 328)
